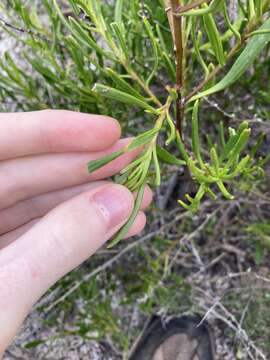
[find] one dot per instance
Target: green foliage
(245, 59)
(117, 58)
(33, 344)
(260, 233)
(226, 162)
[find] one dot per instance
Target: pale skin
(53, 214)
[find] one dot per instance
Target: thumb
(63, 239)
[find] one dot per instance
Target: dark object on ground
(178, 339)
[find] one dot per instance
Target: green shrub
(152, 65)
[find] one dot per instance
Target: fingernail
(115, 203)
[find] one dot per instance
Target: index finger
(53, 131)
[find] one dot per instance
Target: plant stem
(8, 25)
(14, 27)
(177, 34)
(143, 85)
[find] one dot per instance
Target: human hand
(53, 213)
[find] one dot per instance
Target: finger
(63, 239)
(11, 236)
(38, 206)
(50, 131)
(26, 177)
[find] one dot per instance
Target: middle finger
(25, 177)
(36, 207)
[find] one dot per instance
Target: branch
(172, 7)
(6, 24)
(37, 35)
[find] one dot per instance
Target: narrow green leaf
(189, 198)
(259, 8)
(163, 43)
(181, 147)
(195, 134)
(258, 252)
(134, 178)
(122, 84)
(224, 191)
(120, 96)
(258, 144)
(94, 10)
(12, 70)
(168, 158)
(172, 134)
(84, 37)
(119, 33)
(221, 134)
(214, 38)
(157, 167)
(244, 60)
(145, 171)
(251, 10)
(234, 137)
(196, 43)
(142, 139)
(45, 71)
(239, 146)
(184, 205)
(124, 230)
(96, 164)
(118, 12)
(229, 24)
(264, 161)
(33, 344)
(214, 158)
(210, 192)
(75, 7)
(209, 140)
